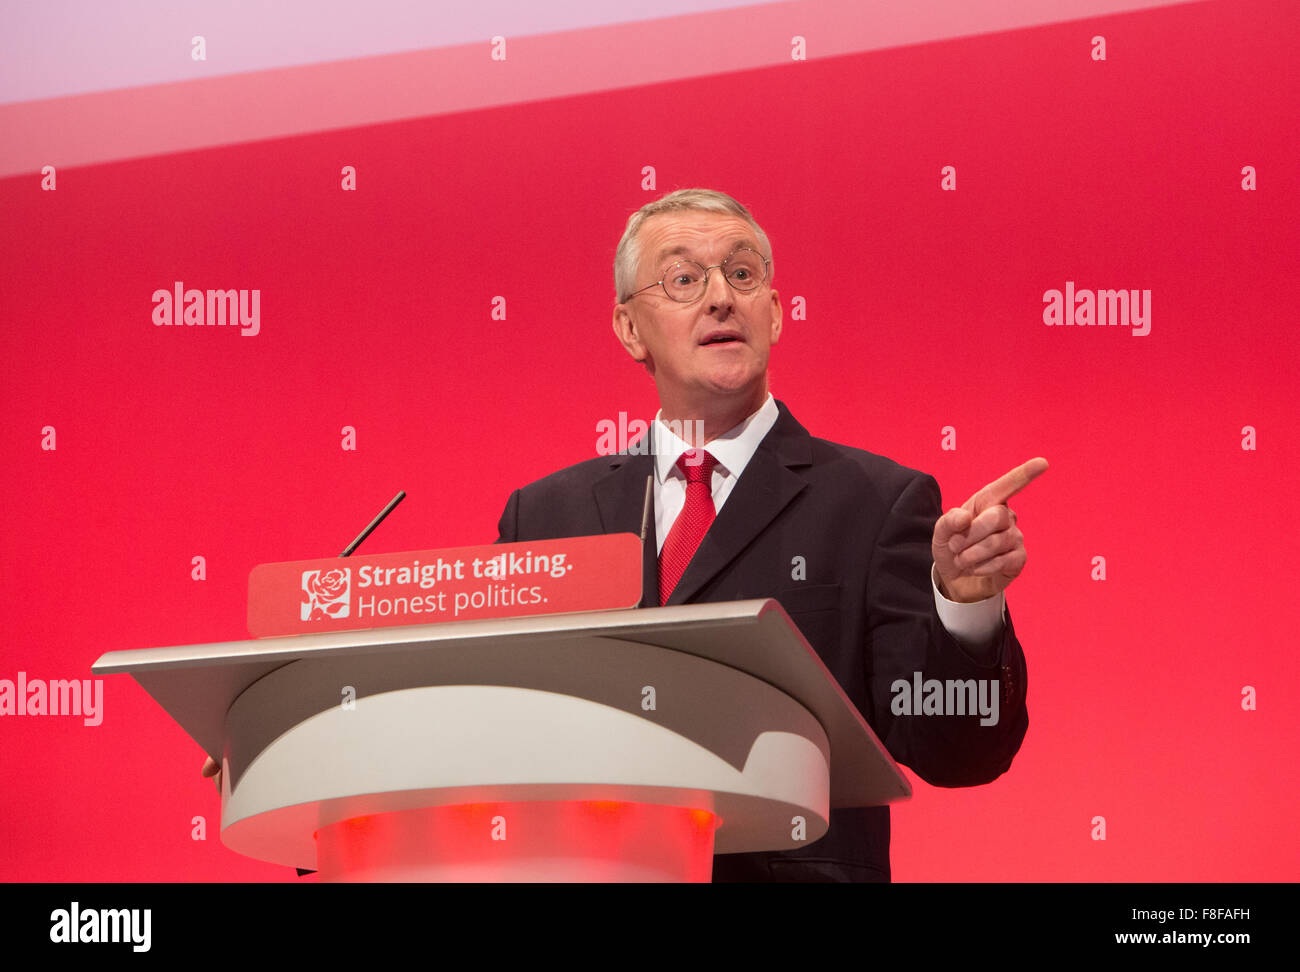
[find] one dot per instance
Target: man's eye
(683, 279)
(740, 273)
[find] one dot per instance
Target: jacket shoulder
(868, 472)
(864, 473)
(581, 475)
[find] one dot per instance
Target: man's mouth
(721, 337)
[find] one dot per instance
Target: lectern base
(559, 841)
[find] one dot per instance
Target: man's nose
(717, 292)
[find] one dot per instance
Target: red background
(924, 310)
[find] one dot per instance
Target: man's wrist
(972, 623)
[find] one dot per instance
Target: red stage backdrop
(428, 294)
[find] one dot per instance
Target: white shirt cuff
(975, 624)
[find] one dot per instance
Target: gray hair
(628, 254)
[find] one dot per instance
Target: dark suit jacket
(862, 524)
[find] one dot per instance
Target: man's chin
(737, 380)
(726, 386)
(735, 388)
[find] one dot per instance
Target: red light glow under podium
(526, 841)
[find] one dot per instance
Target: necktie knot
(696, 465)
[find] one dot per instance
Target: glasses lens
(745, 269)
(684, 281)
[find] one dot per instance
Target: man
(852, 544)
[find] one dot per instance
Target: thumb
(956, 520)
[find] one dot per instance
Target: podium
(626, 745)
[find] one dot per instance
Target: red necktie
(691, 524)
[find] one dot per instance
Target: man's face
(715, 347)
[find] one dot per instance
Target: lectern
(627, 745)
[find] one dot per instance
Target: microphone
(647, 511)
(347, 551)
(648, 506)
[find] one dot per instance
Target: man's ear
(628, 335)
(776, 318)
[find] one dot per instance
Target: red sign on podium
(497, 580)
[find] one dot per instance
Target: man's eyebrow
(682, 248)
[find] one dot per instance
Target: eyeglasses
(686, 281)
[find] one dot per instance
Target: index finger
(1005, 487)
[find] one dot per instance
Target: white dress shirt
(974, 625)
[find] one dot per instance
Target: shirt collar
(733, 449)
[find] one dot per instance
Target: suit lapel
(764, 489)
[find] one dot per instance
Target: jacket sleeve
(909, 649)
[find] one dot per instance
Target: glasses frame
(667, 272)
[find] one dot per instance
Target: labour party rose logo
(326, 593)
